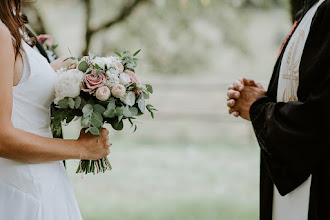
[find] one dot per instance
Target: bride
(33, 181)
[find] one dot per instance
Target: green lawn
(175, 181)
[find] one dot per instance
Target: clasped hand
(241, 95)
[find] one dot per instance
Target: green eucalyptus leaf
(95, 131)
(117, 125)
(126, 111)
(118, 54)
(145, 95)
(71, 103)
(142, 105)
(119, 111)
(109, 113)
(77, 102)
(87, 110)
(83, 103)
(97, 116)
(120, 118)
(96, 123)
(111, 106)
(149, 88)
(85, 122)
(99, 108)
(134, 111)
(83, 66)
(63, 103)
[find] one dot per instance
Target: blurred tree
(296, 5)
(124, 13)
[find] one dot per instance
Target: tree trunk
(296, 5)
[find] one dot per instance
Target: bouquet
(99, 90)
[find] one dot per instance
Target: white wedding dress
(39, 191)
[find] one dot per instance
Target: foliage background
(193, 161)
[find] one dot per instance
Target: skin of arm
(16, 144)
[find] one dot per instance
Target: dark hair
(10, 15)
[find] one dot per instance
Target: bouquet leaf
(83, 66)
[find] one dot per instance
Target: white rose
(113, 71)
(103, 93)
(118, 91)
(112, 80)
(129, 99)
(108, 61)
(68, 84)
(124, 79)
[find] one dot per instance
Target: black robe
(294, 137)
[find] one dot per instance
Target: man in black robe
(294, 137)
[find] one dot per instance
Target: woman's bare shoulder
(6, 42)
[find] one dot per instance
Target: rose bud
(118, 91)
(103, 93)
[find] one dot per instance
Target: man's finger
(238, 85)
(231, 87)
(233, 94)
(231, 103)
(249, 82)
(236, 113)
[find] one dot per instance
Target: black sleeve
(294, 136)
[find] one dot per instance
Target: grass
(172, 181)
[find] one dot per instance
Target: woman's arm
(23, 146)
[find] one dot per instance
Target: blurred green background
(194, 161)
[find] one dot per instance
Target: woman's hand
(60, 63)
(94, 148)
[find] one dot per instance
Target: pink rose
(103, 93)
(134, 80)
(133, 77)
(118, 91)
(119, 66)
(93, 82)
(45, 39)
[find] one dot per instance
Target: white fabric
(293, 206)
(26, 68)
(35, 191)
